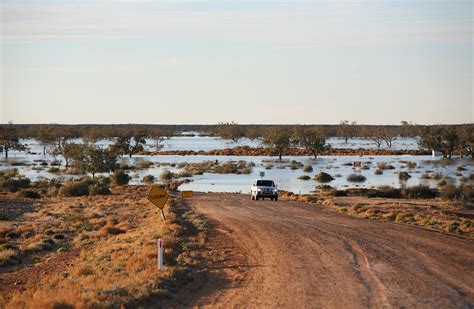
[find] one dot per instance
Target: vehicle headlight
(275, 190)
(259, 189)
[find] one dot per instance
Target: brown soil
(248, 151)
(298, 255)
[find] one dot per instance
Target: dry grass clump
(149, 179)
(25, 193)
(9, 257)
(403, 176)
(356, 178)
(385, 166)
(323, 177)
(120, 177)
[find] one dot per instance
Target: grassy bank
(95, 251)
(414, 206)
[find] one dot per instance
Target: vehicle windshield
(265, 183)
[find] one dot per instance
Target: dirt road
(288, 254)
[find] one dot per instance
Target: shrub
(304, 177)
(167, 175)
(38, 246)
(385, 166)
(99, 189)
(246, 171)
(53, 169)
(143, 164)
(420, 192)
(459, 193)
(149, 179)
(323, 177)
(385, 192)
(185, 174)
(308, 169)
(25, 193)
(336, 193)
(9, 257)
(74, 188)
(55, 163)
(411, 164)
(12, 181)
(356, 178)
(404, 176)
(120, 177)
(378, 172)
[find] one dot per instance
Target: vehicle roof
(263, 179)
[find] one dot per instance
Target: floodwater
(286, 178)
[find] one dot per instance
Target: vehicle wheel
(276, 198)
(257, 198)
(271, 199)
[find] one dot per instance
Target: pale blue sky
(166, 61)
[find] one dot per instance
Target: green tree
(99, 160)
(158, 136)
(466, 144)
(346, 130)
(9, 139)
(442, 138)
(61, 137)
(46, 137)
(230, 130)
(74, 154)
(278, 138)
(312, 139)
(129, 142)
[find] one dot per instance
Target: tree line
(130, 139)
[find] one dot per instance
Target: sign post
(158, 197)
(262, 174)
(160, 254)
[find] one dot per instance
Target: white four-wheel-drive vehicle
(264, 188)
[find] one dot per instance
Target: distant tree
(46, 137)
(389, 138)
(377, 139)
(346, 130)
(61, 137)
(252, 132)
(466, 144)
(158, 137)
(90, 136)
(278, 138)
(230, 130)
(168, 132)
(442, 138)
(130, 142)
(312, 139)
(9, 139)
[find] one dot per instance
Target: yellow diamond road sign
(157, 196)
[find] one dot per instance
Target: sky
(204, 62)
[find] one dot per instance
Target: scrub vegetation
(95, 251)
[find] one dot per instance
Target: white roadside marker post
(160, 254)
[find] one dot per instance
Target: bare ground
(291, 254)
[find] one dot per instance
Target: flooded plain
(424, 170)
